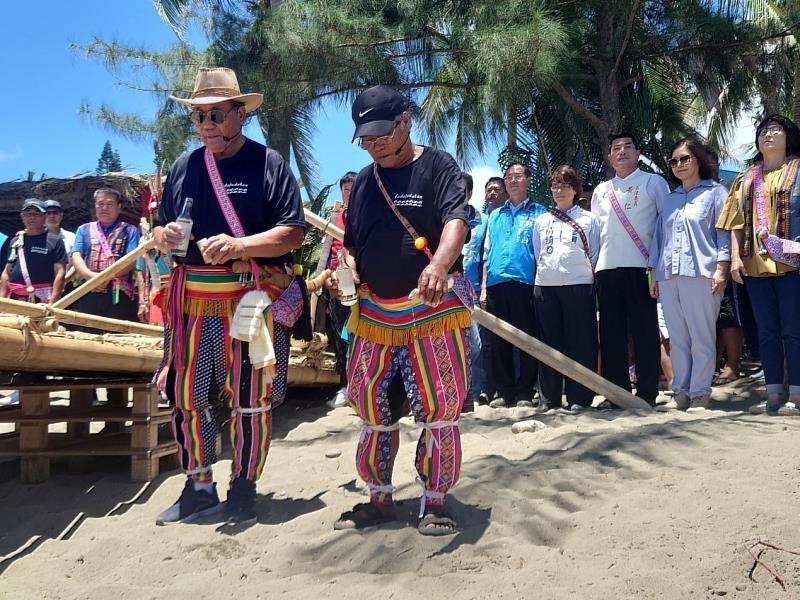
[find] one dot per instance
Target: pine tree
(109, 161)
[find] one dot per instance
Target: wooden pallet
(130, 429)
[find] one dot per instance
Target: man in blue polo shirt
(507, 286)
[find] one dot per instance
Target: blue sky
(46, 83)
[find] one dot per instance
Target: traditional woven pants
(211, 374)
(435, 372)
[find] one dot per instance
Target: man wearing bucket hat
(246, 215)
(37, 259)
(405, 229)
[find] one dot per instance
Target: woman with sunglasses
(690, 259)
(763, 211)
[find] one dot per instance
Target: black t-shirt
(41, 253)
(259, 183)
(429, 192)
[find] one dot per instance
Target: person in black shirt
(405, 228)
(37, 259)
(254, 215)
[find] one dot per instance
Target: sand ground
(597, 505)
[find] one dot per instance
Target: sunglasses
(681, 160)
(371, 140)
(216, 115)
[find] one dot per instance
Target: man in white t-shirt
(625, 208)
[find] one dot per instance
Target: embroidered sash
(28, 290)
(106, 257)
(771, 243)
(626, 223)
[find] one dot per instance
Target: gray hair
(108, 192)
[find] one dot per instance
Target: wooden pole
(324, 224)
(529, 344)
(106, 274)
(558, 361)
(28, 309)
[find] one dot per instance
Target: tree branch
(631, 18)
(582, 111)
(787, 31)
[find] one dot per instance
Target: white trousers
(691, 311)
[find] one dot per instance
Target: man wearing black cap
(405, 228)
(37, 261)
(53, 217)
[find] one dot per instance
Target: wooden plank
(42, 311)
(98, 444)
(107, 274)
(145, 400)
(558, 361)
(80, 401)
(94, 414)
(34, 437)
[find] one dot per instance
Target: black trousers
(626, 308)
(102, 304)
(566, 319)
(513, 302)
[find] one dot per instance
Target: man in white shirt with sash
(625, 208)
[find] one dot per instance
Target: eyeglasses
(369, 140)
(515, 177)
(680, 160)
(774, 130)
(105, 205)
(217, 115)
(555, 185)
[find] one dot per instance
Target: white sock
(206, 487)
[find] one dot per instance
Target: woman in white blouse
(566, 242)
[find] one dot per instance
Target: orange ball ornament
(420, 243)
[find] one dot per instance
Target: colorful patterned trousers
(435, 372)
(210, 374)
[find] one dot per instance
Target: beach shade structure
(529, 344)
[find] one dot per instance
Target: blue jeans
(478, 381)
(776, 307)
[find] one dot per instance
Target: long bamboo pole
(70, 317)
(528, 344)
(106, 274)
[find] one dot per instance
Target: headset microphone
(408, 137)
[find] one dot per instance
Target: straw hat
(218, 84)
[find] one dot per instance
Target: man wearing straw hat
(247, 218)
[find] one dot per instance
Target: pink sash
(28, 290)
(106, 252)
(226, 206)
(623, 218)
(774, 246)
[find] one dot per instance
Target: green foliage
(308, 254)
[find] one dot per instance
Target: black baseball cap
(376, 110)
(52, 204)
(32, 203)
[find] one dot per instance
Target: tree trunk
(796, 88)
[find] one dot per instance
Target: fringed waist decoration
(396, 321)
(211, 292)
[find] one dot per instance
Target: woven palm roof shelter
(75, 196)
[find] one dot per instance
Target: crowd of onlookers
(653, 282)
(43, 259)
(647, 280)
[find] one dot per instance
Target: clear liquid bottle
(185, 222)
(344, 278)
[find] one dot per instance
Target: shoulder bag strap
(562, 216)
(626, 223)
(226, 206)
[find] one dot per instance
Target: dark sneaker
(240, 507)
(192, 505)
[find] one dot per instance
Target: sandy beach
(597, 505)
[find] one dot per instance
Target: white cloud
(6, 155)
(480, 176)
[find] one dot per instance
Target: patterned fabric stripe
(440, 366)
(396, 322)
